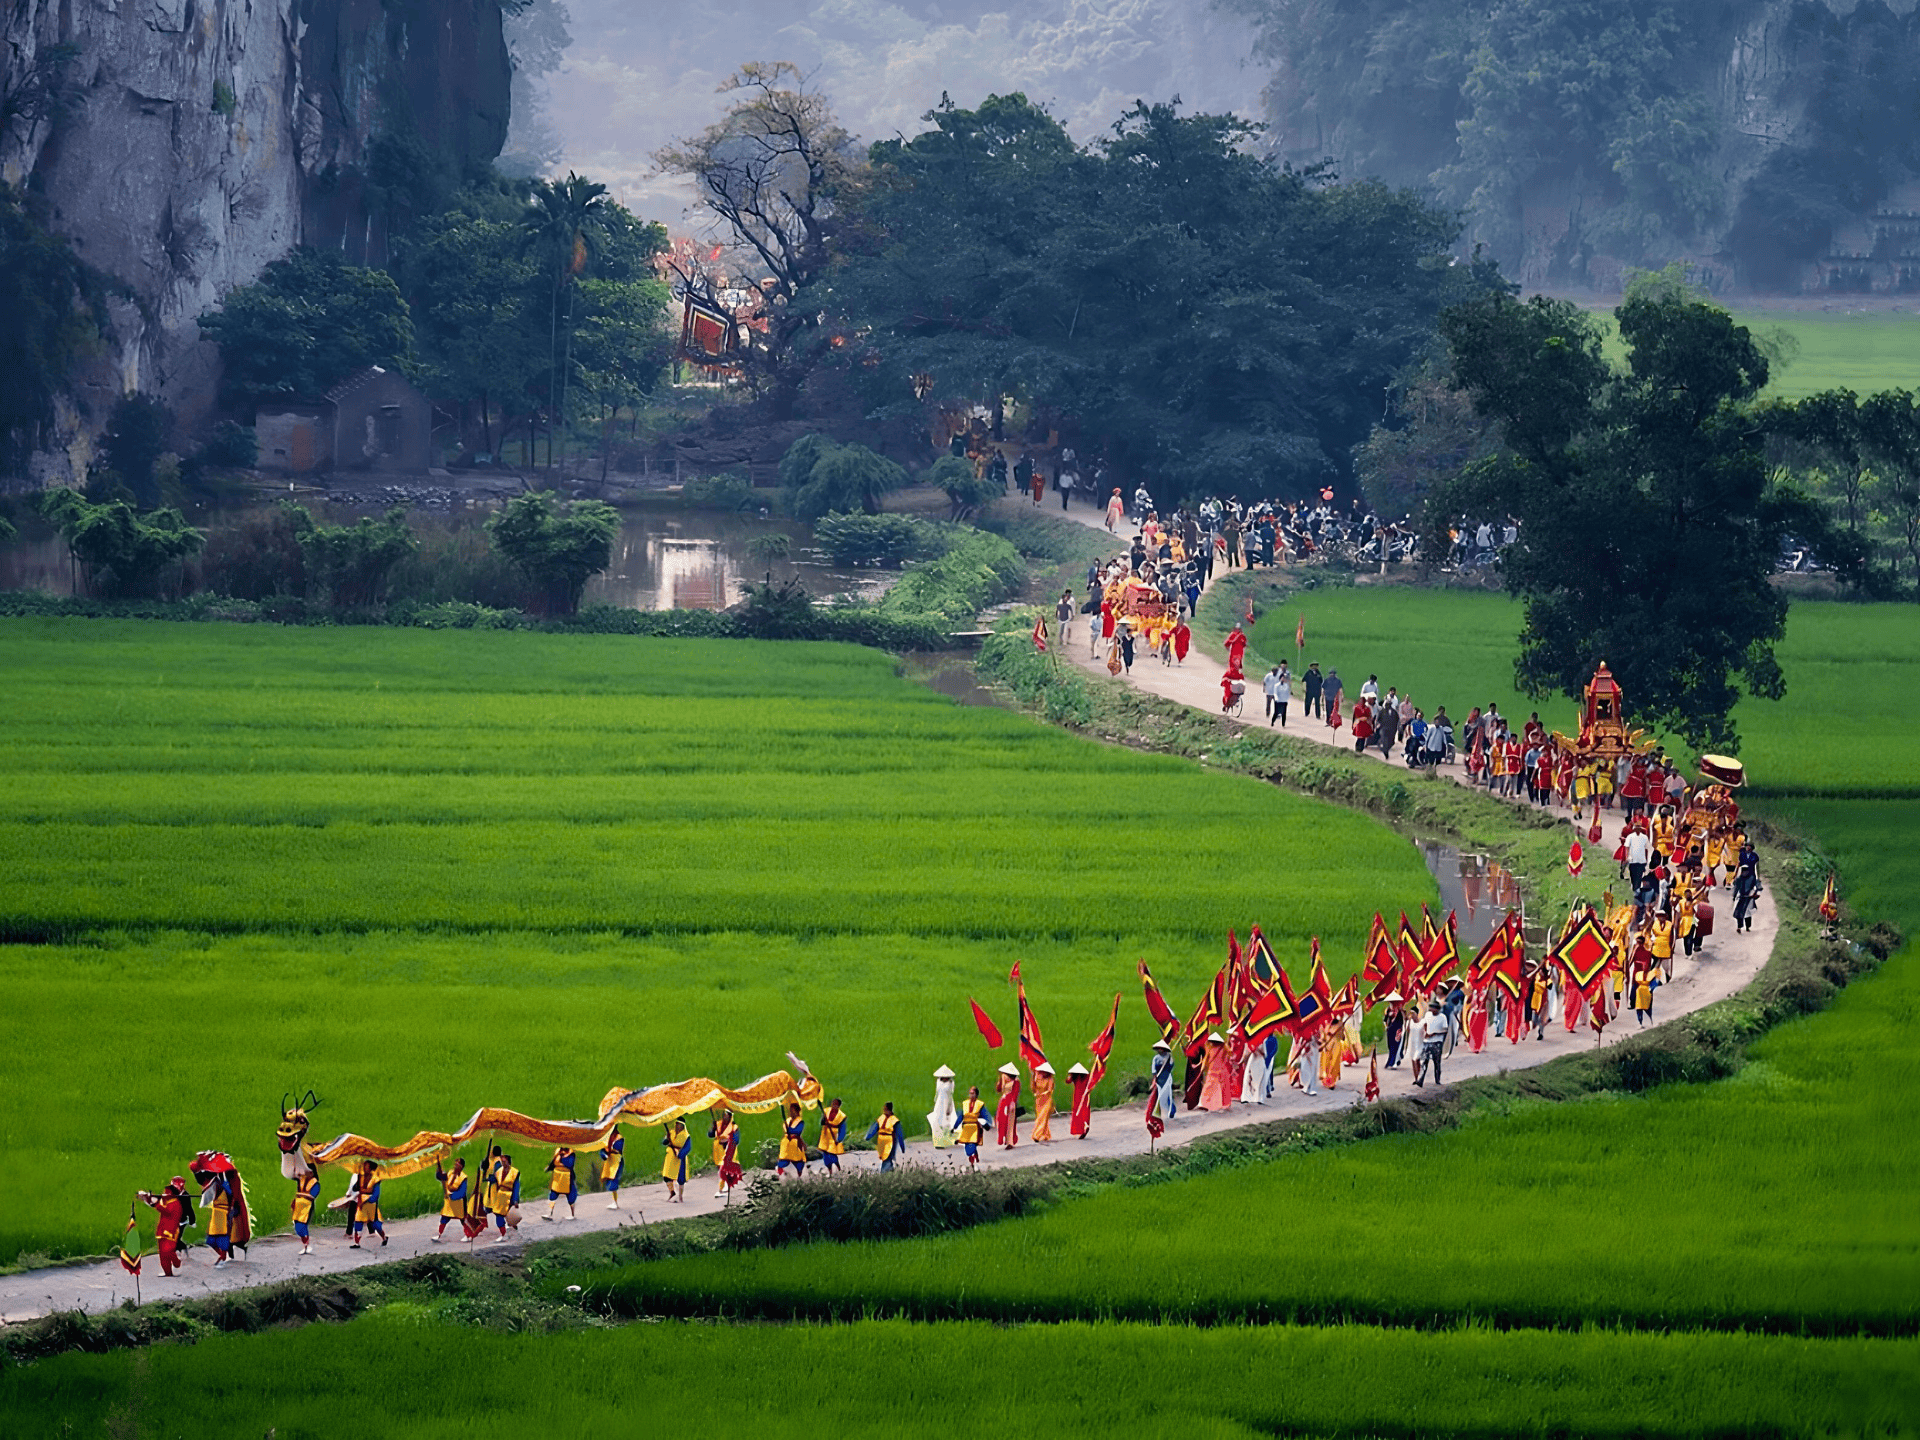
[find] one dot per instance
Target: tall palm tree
(565, 221)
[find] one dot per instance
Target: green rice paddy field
(1861, 350)
(1779, 1200)
(1786, 1195)
(427, 1376)
(424, 872)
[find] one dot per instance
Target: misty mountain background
(637, 75)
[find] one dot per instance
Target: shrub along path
(1725, 966)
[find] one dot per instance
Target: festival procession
(1679, 853)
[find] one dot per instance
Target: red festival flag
(131, 1263)
(1212, 1010)
(1583, 951)
(1576, 858)
(1373, 1078)
(1381, 969)
(1830, 901)
(1102, 1047)
(1040, 633)
(1032, 1051)
(1249, 607)
(988, 1029)
(1157, 1006)
(1315, 1001)
(1439, 956)
(1499, 959)
(1300, 634)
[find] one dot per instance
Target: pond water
(1477, 888)
(664, 557)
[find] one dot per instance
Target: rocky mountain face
(196, 141)
(1772, 144)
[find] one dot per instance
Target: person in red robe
(1477, 1021)
(1236, 649)
(1362, 723)
(1081, 1116)
(1182, 642)
(173, 1212)
(1006, 1115)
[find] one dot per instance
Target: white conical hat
(1391, 996)
(1216, 1038)
(1045, 1067)
(1078, 1069)
(1010, 1069)
(943, 1073)
(1161, 1045)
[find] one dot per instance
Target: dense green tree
(353, 563)
(306, 324)
(564, 225)
(1649, 525)
(1433, 432)
(52, 313)
(137, 435)
(557, 545)
(1214, 322)
(121, 552)
(477, 301)
(621, 348)
(966, 489)
(821, 477)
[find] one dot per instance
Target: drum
(1723, 770)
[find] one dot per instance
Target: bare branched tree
(769, 170)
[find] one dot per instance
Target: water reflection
(664, 558)
(1478, 889)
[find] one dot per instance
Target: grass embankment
(424, 1373)
(426, 872)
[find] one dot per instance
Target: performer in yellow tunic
(677, 1142)
(613, 1166)
(306, 1190)
(973, 1125)
(453, 1194)
(833, 1135)
(886, 1136)
(366, 1207)
(1043, 1083)
(503, 1193)
(793, 1143)
(725, 1135)
(563, 1182)
(1660, 941)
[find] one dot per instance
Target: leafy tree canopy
(557, 545)
(1649, 524)
(124, 553)
(353, 562)
(306, 324)
(821, 477)
(1217, 322)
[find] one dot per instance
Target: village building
(373, 420)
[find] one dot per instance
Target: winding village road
(1726, 964)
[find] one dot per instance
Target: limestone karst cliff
(194, 141)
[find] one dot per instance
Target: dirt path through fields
(1725, 965)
